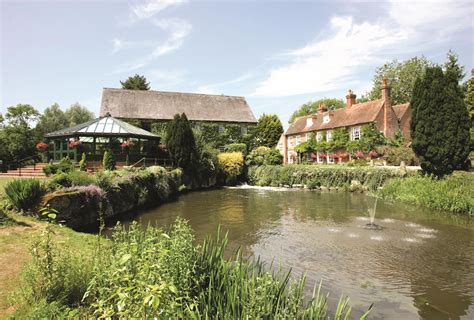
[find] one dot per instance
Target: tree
(77, 114)
(181, 144)
(20, 138)
(312, 107)
(440, 123)
(108, 161)
(452, 67)
(52, 119)
(469, 100)
(269, 130)
(136, 82)
(370, 138)
(401, 76)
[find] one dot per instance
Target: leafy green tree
(312, 107)
(269, 130)
(469, 100)
(452, 67)
(181, 143)
(52, 119)
(77, 114)
(19, 136)
(136, 82)
(370, 138)
(440, 123)
(339, 139)
(108, 161)
(401, 76)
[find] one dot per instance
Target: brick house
(387, 118)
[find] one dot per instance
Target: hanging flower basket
(162, 147)
(313, 156)
(42, 146)
(344, 155)
(323, 156)
(74, 144)
(360, 154)
(373, 154)
(127, 144)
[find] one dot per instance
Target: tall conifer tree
(181, 144)
(440, 123)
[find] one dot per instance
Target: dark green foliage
(65, 165)
(236, 147)
(401, 76)
(52, 119)
(440, 123)
(469, 101)
(269, 129)
(108, 161)
(312, 107)
(452, 67)
(394, 155)
(316, 176)
(181, 144)
(24, 194)
(136, 82)
(339, 139)
(452, 193)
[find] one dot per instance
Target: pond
(419, 265)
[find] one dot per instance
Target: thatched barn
(155, 106)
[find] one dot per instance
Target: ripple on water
(411, 240)
(353, 235)
(425, 235)
(412, 225)
(333, 230)
(376, 238)
(388, 220)
(427, 230)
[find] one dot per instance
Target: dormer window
(326, 119)
(309, 122)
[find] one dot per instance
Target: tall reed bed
(153, 273)
(453, 193)
(320, 176)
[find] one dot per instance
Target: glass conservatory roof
(102, 127)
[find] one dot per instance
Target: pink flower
(74, 144)
(360, 154)
(127, 144)
(373, 154)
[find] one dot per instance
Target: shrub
(70, 179)
(264, 156)
(65, 165)
(83, 162)
(395, 155)
(24, 193)
(236, 147)
(452, 193)
(231, 163)
(108, 161)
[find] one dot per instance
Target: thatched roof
(159, 105)
(349, 116)
(105, 126)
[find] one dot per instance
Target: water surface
(420, 265)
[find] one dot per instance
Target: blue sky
(278, 54)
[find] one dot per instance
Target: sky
(277, 54)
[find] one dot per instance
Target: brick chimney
(322, 108)
(350, 98)
(386, 92)
(390, 121)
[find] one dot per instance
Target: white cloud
(150, 8)
(323, 65)
(333, 62)
(176, 29)
(214, 87)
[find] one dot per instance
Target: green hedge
(319, 176)
(24, 194)
(454, 193)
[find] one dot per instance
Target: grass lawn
(15, 242)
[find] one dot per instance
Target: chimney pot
(322, 108)
(350, 98)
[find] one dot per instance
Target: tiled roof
(400, 109)
(160, 105)
(356, 114)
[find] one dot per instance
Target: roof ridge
(176, 92)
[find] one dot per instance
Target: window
(328, 135)
(355, 133)
(307, 137)
(290, 158)
(243, 130)
(330, 158)
(319, 158)
(280, 146)
(290, 140)
(221, 128)
(319, 136)
(326, 119)
(298, 139)
(309, 122)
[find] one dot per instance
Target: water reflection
(419, 265)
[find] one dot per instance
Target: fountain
(372, 225)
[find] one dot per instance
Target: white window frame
(309, 122)
(290, 158)
(354, 131)
(319, 136)
(326, 118)
(243, 130)
(318, 158)
(290, 140)
(329, 159)
(298, 139)
(307, 137)
(328, 135)
(221, 128)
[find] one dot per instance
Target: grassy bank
(314, 177)
(454, 193)
(155, 273)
